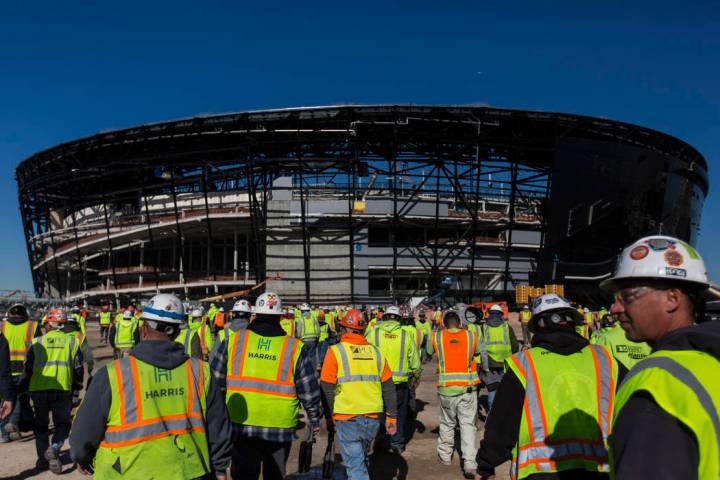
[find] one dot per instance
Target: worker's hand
(220, 476)
(390, 425)
(6, 408)
(83, 470)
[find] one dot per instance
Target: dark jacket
(648, 442)
(502, 427)
(88, 429)
(7, 386)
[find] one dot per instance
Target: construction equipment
(328, 466)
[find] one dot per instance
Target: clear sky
(71, 69)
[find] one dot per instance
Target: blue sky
(70, 69)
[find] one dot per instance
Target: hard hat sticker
(676, 272)
(639, 252)
(674, 258)
(660, 244)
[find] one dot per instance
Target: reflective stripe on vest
(546, 454)
(347, 377)
(19, 347)
(284, 383)
(400, 372)
(459, 378)
(498, 347)
(663, 376)
(133, 427)
(53, 367)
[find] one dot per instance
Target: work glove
(390, 425)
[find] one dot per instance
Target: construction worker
(155, 413)
(239, 320)
(665, 423)
(118, 316)
(425, 329)
(124, 335)
(287, 322)
(8, 392)
(398, 348)
(105, 321)
(307, 329)
(612, 336)
(455, 348)
(525, 315)
(53, 370)
(265, 376)
(437, 317)
(212, 311)
(552, 410)
(20, 332)
(497, 342)
(219, 320)
(72, 328)
(196, 337)
(76, 312)
(357, 383)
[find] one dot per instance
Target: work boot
(53, 459)
(41, 464)
(10, 428)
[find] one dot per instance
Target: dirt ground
(17, 459)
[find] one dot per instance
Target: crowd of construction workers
(630, 392)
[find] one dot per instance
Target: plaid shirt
(306, 387)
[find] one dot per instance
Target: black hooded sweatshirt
(647, 442)
(88, 429)
(502, 427)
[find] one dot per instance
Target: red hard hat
(353, 319)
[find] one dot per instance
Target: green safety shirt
(567, 413)
(19, 336)
(495, 342)
(53, 361)
(307, 327)
(105, 318)
(426, 331)
(398, 348)
(202, 331)
(125, 333)
(156, 426)
(261, 380)
(324, 332)
(625, 351)
(686, 384)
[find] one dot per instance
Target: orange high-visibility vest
(455, 358)
(220, 319)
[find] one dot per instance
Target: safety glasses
(626, 296)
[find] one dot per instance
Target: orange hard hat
(353, 319)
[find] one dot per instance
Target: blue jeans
(14, 417)
(355, 437)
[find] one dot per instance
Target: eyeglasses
(628, 295)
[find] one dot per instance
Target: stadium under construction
(358, 204)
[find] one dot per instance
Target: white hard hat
(222, 309)
(552, 303)
(304, 307)
(127, 314)
(660, 258)
(197, 313)
(268, 303)
(392, 310)
(166, 308)
(242, 306)
(496, 308)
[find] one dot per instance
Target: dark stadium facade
(359, 204)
